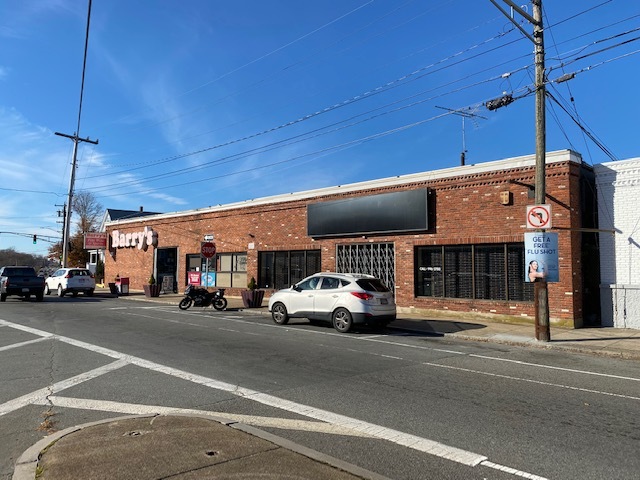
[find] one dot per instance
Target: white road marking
(411, 441)
(377, 431)
(40, 396)
(512, 471)
(552, 367)
(138, 409)
(528, 380)
(381, 339)
(28, 342)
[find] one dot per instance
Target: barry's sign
(142, 239)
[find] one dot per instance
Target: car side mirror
(296, 288)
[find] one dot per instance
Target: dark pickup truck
(21, 281)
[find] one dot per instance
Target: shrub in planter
(152, 289)
(252, 297)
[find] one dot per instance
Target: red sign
(207, 249)
(95, 241)
(194, 278)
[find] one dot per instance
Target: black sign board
(404, 211)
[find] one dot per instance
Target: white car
(70, 280)
(344, 299)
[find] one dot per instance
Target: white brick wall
(618, 185)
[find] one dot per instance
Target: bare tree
(88, 210)
(89, 213)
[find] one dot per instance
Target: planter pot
(113, 288)
(152, 290)
(252, 298)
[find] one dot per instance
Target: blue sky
(205, 102)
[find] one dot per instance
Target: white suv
(344, 299)
(70, 280)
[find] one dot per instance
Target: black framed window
(283, 269)
(458, 271)
(489, 272)
(486, 272)
(430, 278)
(517, 288)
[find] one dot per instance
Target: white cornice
(619, 174)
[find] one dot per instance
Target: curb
(27, 464)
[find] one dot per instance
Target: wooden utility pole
(67, 216)
(76, 140)
(541, 291)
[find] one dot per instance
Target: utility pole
(67, 216)
(541, 292)
(76, 139)
(62, 213)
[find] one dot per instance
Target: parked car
(20, 281)
(344, 299)
(70, 280)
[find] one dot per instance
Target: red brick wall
(468, 210)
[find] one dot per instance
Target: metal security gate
(377, 259)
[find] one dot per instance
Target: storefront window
(486, 272)
(283, 269)
(231, 270)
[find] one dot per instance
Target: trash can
(123, 286)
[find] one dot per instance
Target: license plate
(25, 290)
(384, 301)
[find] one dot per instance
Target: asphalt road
(381, 400)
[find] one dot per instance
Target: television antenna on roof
(464, 114)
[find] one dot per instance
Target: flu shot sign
(541, 257)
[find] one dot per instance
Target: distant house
(112, 214)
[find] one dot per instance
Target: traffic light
(35, 239)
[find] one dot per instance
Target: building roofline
(474, 169)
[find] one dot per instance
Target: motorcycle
(201, 297)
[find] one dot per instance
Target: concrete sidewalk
(194, 447)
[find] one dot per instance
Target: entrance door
(377, 259)
(167, 268)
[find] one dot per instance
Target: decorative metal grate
(377, 259)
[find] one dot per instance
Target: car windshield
(372, 285)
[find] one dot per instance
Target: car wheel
(39, 297)
(3, 297)
(46, 289)
(342, 320)
(60, 291)
(279, 314)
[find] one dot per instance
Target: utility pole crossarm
(521, 12)
(75, 138)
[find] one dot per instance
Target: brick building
(448, 241)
